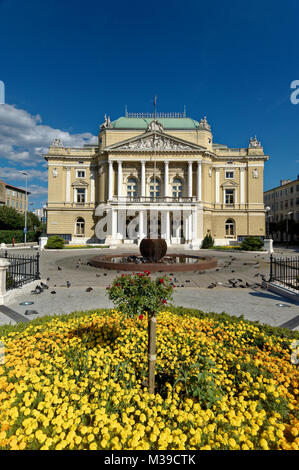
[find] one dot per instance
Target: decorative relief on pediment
(155, 142)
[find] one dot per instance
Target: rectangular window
(80, 173)
(229, 174)
(229, 196)
(291, 189)
(81, 195)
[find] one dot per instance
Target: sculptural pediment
(155, 141)
(79, 184)
(229, 184)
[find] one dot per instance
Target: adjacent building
(155, 175)
(283, 202)
(14, 197)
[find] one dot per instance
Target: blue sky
(65, 64)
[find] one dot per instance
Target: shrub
(6, 236)
(55, 242)
(252, 244)
(208, 241)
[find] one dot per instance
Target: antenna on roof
(126, 111)
(184, 110)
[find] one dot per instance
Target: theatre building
(155, 175)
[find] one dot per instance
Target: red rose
(140, 317)
(164, 301)
(161, 280)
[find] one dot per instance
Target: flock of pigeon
(231, 283)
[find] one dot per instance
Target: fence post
(3, 268)
(271, 268)
(37, 266)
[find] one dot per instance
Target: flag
(155, 101)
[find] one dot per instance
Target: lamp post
(267, 209)
(289, 213)
(25, 173)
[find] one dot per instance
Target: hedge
(6, 236)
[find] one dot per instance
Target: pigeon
(53, 292)
(68, 284)
(31, 312)
(59, 268)
(89, 289)
(44, 286)
(48, 279)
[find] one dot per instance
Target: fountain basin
(169, 263)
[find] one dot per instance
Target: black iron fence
(22, 269)
(285, 271)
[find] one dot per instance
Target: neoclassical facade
(155, 175)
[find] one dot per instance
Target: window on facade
(80, 195)
(229, 196)
(291, 189)
(80, 173)
(154, 188)
(229, 174)
(177, 188)
(80, 226)
(291, 202)
(229, 228)
(132, 187)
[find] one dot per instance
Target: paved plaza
(234, 286)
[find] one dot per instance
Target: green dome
(167, 123)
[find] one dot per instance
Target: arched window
(154, 187)
(131, 187)
(229, 228)
(177, 187)
(80, 226)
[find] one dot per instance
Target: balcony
(151, 200)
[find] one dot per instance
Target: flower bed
(76, 382)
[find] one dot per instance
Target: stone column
(242, 185)
(92, 186)
(142, 192)
(166, 178)
(189, 179)
(165, 225)
(142, 224)
(199, 195)
(113, 224)
(119, 178)
(110, 180)
(68, 185)
(3, 268)
(217, 186)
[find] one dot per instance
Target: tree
(138, 294)
(10, 219)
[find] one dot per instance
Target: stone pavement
(211, 291)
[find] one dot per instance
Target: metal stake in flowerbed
(138, 295)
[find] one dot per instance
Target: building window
(132, 187)
(291, 189)
(154, 188)
(229, 174)
(80, 226)
(80, 173)
(177, 188)
(229, 196)
(80, 195)
(229, 228)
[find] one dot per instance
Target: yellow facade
(166, 167)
